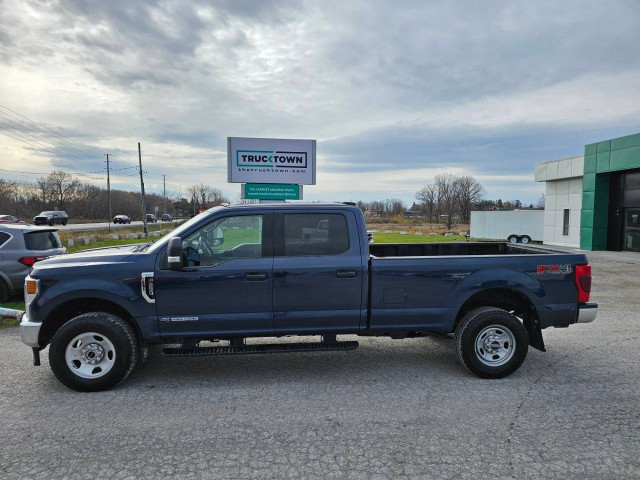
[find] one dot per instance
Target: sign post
(271, 168)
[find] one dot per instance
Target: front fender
(125, 293)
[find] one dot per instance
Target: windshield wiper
(143, 247)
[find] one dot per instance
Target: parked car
(295, 269)
(11, 219)
(20, 247)
(167, 218)
(151, 218)
(51, 218)
(121, 219)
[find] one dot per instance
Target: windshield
(182, 228)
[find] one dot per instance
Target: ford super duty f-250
(235, 273)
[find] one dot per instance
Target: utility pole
(164, 191)
(144, 208)
(109, 190)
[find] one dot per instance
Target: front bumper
(29, 331)
(587, 312)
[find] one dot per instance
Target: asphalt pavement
(391, 409)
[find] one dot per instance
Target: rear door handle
(346, 274)
(255, 276)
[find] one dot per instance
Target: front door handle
(346, 274)
(255, 276)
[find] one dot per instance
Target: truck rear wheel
(513, 238)
(92, 352)
(491, 342)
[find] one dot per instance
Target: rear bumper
(587, 312)
(29, 331)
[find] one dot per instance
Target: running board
(259, 348)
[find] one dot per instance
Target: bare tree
(427, 196)
(63, 186)
(447, 196)
(44, 189)
(540, 203)
(469, 192)
(206, 196)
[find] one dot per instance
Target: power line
(45, 144)
(63, 146)
(41, 128)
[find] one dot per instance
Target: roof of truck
(289, 204)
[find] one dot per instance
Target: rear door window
(4, 237)
(42, 240)
(315, 234)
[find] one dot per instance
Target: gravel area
(391, 409)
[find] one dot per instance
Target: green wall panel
(588, 200)
(586, 236)
(589, 182)
(599, 239)
(590, 163)
(625, 159)
(603, 146)
(586, 218)
(626, 142)
(602, 162)
(591, 149)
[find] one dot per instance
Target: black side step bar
(259, 348)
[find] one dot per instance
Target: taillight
(583, 282)
(29, 261)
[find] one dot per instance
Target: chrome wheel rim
(524, 240)
(495, 345)
(90, 355)
(513, 239)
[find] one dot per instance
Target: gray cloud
(488, 86)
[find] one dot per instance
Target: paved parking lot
(391, 409)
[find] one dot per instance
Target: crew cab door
(226, 286)
(318, 272)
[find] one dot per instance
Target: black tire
(513, 239)
(525, 239)
(64, 222)
(111, 327)
(473, 325)
(51, 222)
(4, 291)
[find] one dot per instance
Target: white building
(563, 199)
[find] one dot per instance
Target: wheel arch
(77, 306)
(511, 300)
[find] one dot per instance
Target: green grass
(11, 322)
(110, 243)
(379, 237)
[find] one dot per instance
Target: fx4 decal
(542, 269)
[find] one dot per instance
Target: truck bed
(383, 250)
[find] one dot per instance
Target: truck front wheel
(491, 342)
(92, 352)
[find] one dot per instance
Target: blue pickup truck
(235, 273)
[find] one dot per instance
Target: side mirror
(174, 253)
(218, 237)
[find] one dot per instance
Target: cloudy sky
(394, 92)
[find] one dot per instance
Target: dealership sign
(271, 160)
(271, 191)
